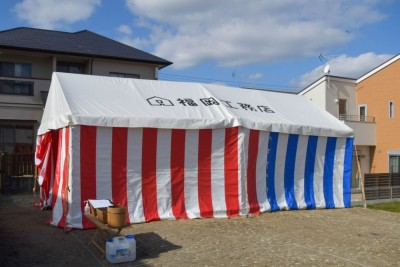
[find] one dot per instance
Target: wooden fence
(16, 173)
(17, 165)
(382, 185)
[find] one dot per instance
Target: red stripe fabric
(56, 148)
(88, 168)
(252, 172)
(177, 173)
(204, 173)
(47, 177)
(64, 192)
(43, 161)
(231, 167)
(149, 174)
(119, 168)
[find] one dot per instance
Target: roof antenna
(327, 69)
(322, 57)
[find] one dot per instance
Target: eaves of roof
(323, 78)
(83, 43)
(380, 67)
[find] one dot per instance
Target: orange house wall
(376, 91)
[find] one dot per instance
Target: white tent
(170, 150)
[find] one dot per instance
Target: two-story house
(337, 95)
(28, 57)
(368, 106)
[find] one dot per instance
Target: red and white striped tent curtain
(162, 174)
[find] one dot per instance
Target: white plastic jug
(121, 249)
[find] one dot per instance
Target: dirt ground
(340, 237)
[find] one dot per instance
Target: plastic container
(110, 250)
(87, 208)
(132, 244)
(121, 249)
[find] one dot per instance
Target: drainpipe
(91, 66)
(156, 73)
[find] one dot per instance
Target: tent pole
(361, 179)
(35, 178)
(65, 200)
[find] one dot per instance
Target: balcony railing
(346, 117)
(16, 87)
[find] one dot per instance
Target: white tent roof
(117, 102)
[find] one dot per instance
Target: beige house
(338, 96)
(28, 57)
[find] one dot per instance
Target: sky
(264, 44)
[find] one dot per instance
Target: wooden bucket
(116, 216)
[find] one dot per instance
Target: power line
(176, 77)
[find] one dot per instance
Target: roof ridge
(378, 68)
(108, 38)
(81, 31)
(83, 43)
(35, 29)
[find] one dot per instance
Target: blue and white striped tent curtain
(308, 172)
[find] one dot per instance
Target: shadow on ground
(331, 237)
(151, 245)
(26, 239)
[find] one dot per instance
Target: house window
(16, 139)
(391, 110)
(10, 69)
(70, 67)
(362, 111)
(7, 139)
(13, 87)
(125, 75)
(343, 109)
(394, 163)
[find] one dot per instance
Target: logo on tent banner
(159, 101)
(189, 102)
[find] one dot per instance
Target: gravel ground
(340, 237)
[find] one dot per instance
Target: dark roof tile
(84, 43)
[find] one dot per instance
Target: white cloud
(155, 36)
(51, 14)
(256, 76)
(343, 66)
(137, 42)
(125, 29)
(239, 32)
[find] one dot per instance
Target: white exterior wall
(327, 91)
(340, 89)
(364, 132)
(317, 94)
(103, 67)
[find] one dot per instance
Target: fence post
(390, 185)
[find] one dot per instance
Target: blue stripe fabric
(309, 172)
(289, 171)
(272, 148)
(328, 172)
(348, 160)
